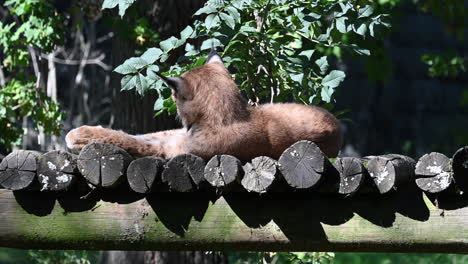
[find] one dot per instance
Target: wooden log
(103, 165)
(261, 175)
(303, 165)
(460, 168)
(351, 175)
(434, 172)
(18, 170)
(144, 174)
(224, 172)
(391, 171)
(219, 226)
(184, 173)
(57, 171)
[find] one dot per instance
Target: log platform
(302, 202)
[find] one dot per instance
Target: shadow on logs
(36, 202)
(299, 216)
(448, 201)
(73, 202)
(175, 210)
(380, 210)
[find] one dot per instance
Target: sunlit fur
(217, 120)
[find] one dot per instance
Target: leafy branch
(279, 53)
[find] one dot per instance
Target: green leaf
(210, 43)
(109, 4)
(141, 84)
(357, 49)
(169, 44)
(205, 10)
(341, 24)
(159, 104)
(326, 93)
(360, 28)
(186, 33)
(123, 5)
(228, 20)
(151, 72)
(212, 21)
(365, 11)
(190, 50)
(238, 3)
(345, 7)
(307, 53)
(297, 77)
(151, 55)
(131, 65)
(128, 82)
(234, 13)
(333, 79)
(323, 64)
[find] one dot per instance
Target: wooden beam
(405, 221)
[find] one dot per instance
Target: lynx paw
(79, 137)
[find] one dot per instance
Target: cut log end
(260, 175)
(434, 173)
(144, 174)
(390, 171)
(303, 165)
(352, 175)
(223, 172)
(184, 173)
(103, 165)
(18, 170)
(460, 168)
(57, 171)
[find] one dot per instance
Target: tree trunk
(131, 112)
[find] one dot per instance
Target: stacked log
(301, 167)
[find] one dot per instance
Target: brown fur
(217, 120)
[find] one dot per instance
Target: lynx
(218, 120)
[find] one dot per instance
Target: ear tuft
(214, 57)
(174, 82)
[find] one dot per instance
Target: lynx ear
(175, 83)
(214, 57)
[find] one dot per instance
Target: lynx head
(207, 95)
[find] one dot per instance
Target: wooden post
(351, 175)
(18, 171)
(391, 171)
(260, 175)
(57, 171)
(224, 172)
(303, 165)
(144, 174)
(184, 173)
(434, 172)
(103, 165)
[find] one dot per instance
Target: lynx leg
(77, 138)
(172, 142)
(138, 146)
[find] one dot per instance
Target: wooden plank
(405, 221)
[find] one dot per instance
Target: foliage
(19, 99)
(452, 14)
(60, 257)
(34, 24)
(281, 257)
(122, 4)
(399, 258)
(279, 50)
(446, 65)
